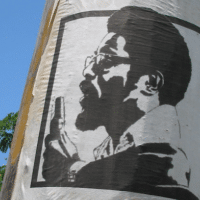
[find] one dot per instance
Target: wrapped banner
(111, 105)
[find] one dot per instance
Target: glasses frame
(106, 59)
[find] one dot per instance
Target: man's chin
(90, 116)
(86, 121)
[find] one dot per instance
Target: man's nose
(88, 71)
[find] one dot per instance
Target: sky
(19, 27)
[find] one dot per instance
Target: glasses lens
(103, 61)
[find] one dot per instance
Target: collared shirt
(158, 126)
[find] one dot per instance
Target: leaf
(2, 173)
(7, 127)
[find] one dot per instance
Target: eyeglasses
(105, 61)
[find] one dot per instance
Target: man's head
(143, 55)
(156, 49)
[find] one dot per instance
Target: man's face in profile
(105, 85)
(109, 64)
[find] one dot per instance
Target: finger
(65, 150)
(69, 146)
(63, 138)
(77, 166)
(56, 146)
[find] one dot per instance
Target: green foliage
(2, 172)
(7, 127)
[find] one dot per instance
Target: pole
(111, 104)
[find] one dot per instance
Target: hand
(58, 138)
(65, 146)
(77, 166)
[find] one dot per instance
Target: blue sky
(19, 26)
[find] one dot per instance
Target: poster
(114, 111)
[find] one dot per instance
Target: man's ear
(153, 83)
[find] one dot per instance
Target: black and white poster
(114, 115)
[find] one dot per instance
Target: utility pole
(110, 108)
